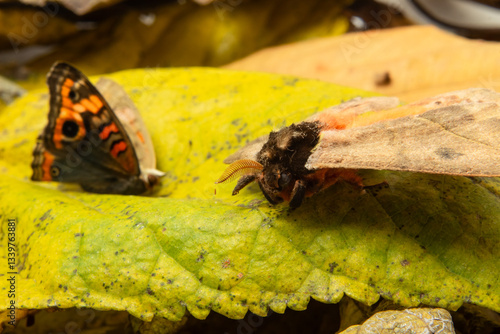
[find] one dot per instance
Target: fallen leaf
(417, 320)
(429, 239)
(408, 62)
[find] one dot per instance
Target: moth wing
(348, 114)
(339, 116)
(124, 108)
(249, 151)
(459, 134)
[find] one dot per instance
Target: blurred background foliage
(107, 36)
(157, 34)
(281, 36)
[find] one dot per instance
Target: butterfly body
(90, 141)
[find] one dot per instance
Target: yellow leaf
(420, 239)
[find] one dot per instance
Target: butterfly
(96, 138)
(454, 133)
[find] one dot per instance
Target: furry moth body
(456, 133)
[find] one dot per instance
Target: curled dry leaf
(417, 321)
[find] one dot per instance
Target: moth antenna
(239, 168)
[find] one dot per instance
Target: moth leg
(352, 177)
(271, 199)
(244, 181)
(298, 194)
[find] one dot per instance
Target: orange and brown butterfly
(457, 133)
(93, 137)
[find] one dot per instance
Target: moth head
(276, 184)
(276, 178)
(271, 181)
(277, 157)
(279, 164)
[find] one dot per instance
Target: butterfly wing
(455, 133)
(131, 119)
(83, 141)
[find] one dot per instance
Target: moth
(456, 133)
(95, 136)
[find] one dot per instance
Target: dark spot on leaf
(447, 153)
(290, 81)
(201, 257)
(383, 79)
(405, 263)
(45, 215)
(332, 266)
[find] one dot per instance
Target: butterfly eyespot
(54, 171)
(70, 129)
(73, 95)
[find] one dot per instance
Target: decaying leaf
(417, 321)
